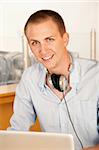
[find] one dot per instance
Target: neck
(64, 66)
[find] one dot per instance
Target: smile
(47, 58)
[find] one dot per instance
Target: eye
(50, 39)
(34, 43)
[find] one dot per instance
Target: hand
(92, 148)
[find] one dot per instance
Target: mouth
(47, 58)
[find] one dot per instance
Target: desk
(7, 94)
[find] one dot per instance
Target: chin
(49, 65)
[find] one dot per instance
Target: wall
(80, 17)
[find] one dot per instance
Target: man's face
(46, 43)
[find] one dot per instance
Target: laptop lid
(16, 140)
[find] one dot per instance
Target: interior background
(80, 18)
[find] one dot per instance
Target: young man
(62, 91)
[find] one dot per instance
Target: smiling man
(56, 88)
(48, 44)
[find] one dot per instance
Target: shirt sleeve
(24, 112)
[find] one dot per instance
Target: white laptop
(16, 140)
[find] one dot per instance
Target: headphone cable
(72, 122)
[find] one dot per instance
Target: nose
(43, 48)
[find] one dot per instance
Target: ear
(66, 38)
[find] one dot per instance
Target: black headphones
(58, 81)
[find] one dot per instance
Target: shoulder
(33, 72)
(30, 78)
(87, 62)
(88, 74)
(88, 66)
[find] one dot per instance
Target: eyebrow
(33, 40)
(49, 37)
(44, 38)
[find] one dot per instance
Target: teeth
(46, 58)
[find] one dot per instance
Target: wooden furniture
(7, 94)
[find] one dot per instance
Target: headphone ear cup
(59, 82)
(55, 81)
